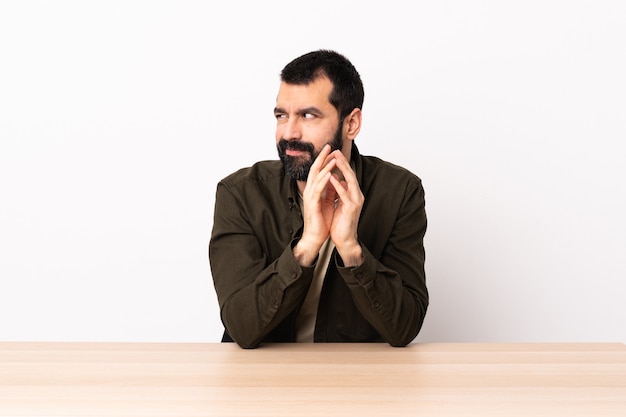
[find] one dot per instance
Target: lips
(294, 152)
(295, 147)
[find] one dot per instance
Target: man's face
(305, 122)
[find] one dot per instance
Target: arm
(389, 287)
(255, 293)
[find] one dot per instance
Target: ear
(352, 124)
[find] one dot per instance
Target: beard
(298, 167)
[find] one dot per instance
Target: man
(325, 245)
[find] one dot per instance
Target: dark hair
(347, 91)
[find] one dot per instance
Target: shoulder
(253, 192)
(375, 170)
(259, 173)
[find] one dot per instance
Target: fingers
(320, 172)
(344, 194)
(334, 168)
(321, 160)
(347, 178)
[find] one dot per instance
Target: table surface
(221, 379)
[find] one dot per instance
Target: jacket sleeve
(255, 293)
(389, 288)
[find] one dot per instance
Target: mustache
(295, 145)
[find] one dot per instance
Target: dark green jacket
(260, 286)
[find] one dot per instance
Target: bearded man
(325, 244)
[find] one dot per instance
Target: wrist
(351, 255)
(305, 253)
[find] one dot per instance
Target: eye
(280, 116)
(308, 115)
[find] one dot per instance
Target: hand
(349, 203)
(317, 210)
(332, 205)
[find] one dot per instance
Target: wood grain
(213, 379)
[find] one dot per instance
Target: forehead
(316, 94)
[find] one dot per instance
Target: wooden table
(197, 379)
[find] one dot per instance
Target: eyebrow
(311, 109)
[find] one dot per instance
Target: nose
(290, 129)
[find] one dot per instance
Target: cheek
(320, 137)
(278, 133)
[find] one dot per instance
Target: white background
(117, 119)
